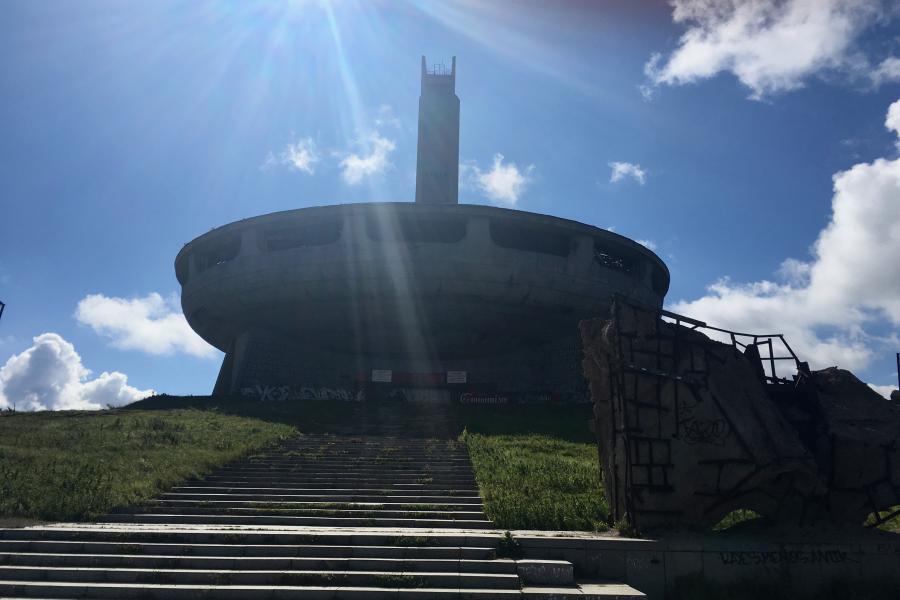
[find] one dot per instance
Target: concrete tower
(437, 156)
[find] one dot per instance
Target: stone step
(372, 459)
(308, 511)
(257, 563)
(313, 488)
(345, 444)
(609, 590)
(246, 550)
(254, 577)
(303, 475)
(226, 501)
(338, 476)
(16, 590)
(432, 482)
(237, 537)
(348, 472)
(312, 453)
(424, 447)
(363, 486)
(344, 469)
(145, 591)
(384, 499)
(251, 519)
(371, 452)
(280, 459)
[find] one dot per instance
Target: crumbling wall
(688, 431)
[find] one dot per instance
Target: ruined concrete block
(691, 429)
(545, 572)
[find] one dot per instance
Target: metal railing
(772, 348)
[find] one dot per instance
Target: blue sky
(747, 136)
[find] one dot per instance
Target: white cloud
(151, 324)
(829, 306)
(771, 46)
(385, 117)
(887, 72)
(297, 156)
(647, 243)
(884, 390)
(504, 182)
(892, 121)
(49, 376)
(356, 167)
(621, 170)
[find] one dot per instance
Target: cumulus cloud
(886, 72)
(621, 170)
(356, 167)
(771, 46)
(829, 306)
(50, 376)
(504, 182)
(297, 156)
(151, 324)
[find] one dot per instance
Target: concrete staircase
(331, 481)
(378, 518)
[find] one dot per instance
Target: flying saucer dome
(401, 278)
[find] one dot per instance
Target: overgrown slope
(79, 465)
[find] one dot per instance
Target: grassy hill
(536, 465)
(78, 465)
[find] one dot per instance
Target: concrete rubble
(691, 429)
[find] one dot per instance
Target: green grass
(536, 466)
(889, 524)
(538, 482)
(79, 465)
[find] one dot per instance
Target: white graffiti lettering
(267, 393)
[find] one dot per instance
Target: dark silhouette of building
(437, 153)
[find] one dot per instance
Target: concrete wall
(803, 564)
(278, 368)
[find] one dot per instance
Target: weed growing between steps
(538, 482)
(509, 547)
(79, 465)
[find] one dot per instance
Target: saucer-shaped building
(430, 300)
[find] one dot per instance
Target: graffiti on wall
(790, 557)
(476, 398)
(284, 393)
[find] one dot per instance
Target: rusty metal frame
(740, 341)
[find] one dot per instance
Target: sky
(752, 144)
